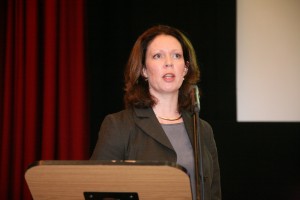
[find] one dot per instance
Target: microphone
(197, 98)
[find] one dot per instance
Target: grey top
(181, 143)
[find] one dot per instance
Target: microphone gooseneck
(199, 175)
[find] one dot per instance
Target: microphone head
(196, 98)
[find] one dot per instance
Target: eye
(177, 55)
(157, 56)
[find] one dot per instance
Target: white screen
(268, 60)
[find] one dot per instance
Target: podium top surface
(105, 162)
(70, 179)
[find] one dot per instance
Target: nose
(168, 62)
(168, 65)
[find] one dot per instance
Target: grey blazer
(136, 134)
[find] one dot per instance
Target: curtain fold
(43, 107)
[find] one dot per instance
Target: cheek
(150, 69)
(153, 70)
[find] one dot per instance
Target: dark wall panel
(258, 160)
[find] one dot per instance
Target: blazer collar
(147, 121)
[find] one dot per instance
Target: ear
(185, 70)
(144, 72)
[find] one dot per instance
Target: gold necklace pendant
(170, 119)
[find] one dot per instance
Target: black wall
(258, 160)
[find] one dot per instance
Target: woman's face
(165, 66)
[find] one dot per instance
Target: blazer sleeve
(215, 189)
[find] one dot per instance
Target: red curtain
(43, 88)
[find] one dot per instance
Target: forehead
(164, 42)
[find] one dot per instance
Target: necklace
(170, 119)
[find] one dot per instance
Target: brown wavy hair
(136, 87)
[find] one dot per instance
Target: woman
(157, 122)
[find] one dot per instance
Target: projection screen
(268, 60)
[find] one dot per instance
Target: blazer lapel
(189, 124)
(146, 120)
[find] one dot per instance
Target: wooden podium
(107, 180)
